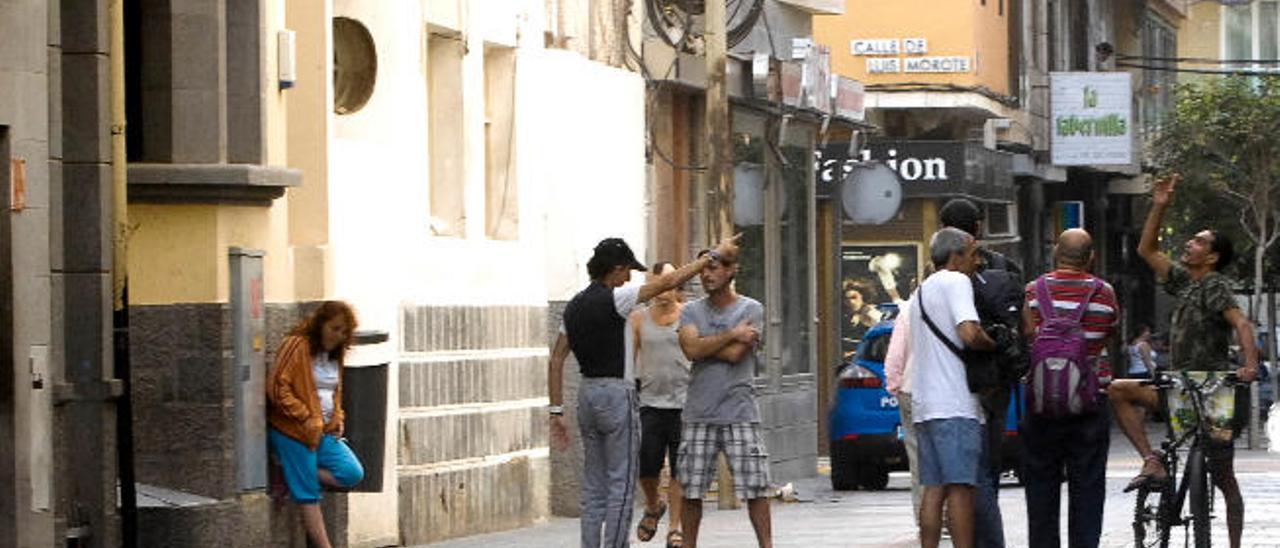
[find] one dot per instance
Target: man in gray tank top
(663, 372)
(720, 334)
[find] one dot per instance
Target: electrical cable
(1199, 60)
(1224, 72)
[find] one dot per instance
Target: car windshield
(874, 350)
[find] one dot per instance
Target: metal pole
(718, 186)
(119, 278)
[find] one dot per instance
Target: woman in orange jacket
(304, 395)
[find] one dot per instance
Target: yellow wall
(952, 28)
(178, 253)
(170, 254)
(1201, 34)
(309, 130)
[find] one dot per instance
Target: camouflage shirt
(1199, 334)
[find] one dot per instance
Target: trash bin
(364, 398)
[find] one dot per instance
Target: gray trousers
(610, 427)
(913, 462)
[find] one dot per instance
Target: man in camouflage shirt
(1204, 316)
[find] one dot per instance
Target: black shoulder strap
(950, 345)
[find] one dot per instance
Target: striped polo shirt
(1068, 288)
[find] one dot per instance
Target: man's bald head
(1074, 248)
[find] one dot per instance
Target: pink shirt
(897, 364)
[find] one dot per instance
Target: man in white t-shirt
(947, 416)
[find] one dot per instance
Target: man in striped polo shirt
(1078, 443)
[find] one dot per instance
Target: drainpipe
(119, 278)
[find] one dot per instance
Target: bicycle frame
(1194, 440)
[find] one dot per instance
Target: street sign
(1092, 118)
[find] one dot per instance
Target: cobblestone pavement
(860, 518)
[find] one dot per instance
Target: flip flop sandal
(1147, 480)
(675, 539)
(649, 524)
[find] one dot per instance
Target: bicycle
(1159, 506)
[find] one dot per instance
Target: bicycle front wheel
(1151, 516)
(1200, 495)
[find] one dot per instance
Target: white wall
(579, 164)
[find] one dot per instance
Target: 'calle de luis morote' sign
(1092, 118)
(883, 57)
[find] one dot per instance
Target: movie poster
(871, 275)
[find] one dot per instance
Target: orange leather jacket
(293, 403)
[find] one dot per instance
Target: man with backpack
(1070, 316)
(998, 292)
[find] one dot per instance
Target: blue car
(866, 427)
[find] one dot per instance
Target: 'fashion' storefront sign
(935, 162)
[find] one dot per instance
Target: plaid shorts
(743, 447)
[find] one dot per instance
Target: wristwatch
(555, 410)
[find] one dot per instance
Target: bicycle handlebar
(1164, 379)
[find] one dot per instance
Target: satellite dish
(871, 194)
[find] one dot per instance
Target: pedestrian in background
(594, 329)
(720, 334)
(663, 371)
(1076, 443)
(897, 373)
(1142, 361)
(304, 395)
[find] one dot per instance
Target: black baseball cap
(615, 252)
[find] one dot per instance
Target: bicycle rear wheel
(1151, 516)
(1199, 496)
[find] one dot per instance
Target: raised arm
(1149, 245)
(671, 280)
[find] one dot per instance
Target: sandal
(649, 524)
(675, 539)
(1148, 479)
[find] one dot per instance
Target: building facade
(59, 383)
(446, 167)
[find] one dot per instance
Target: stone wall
(184, 433)
(790, 421)
(472, 452)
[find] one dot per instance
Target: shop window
(446, 147)
(355, 65)
(501, 206)
(776, 193)
(1001, 220)
(749, 210)
(795, 206)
